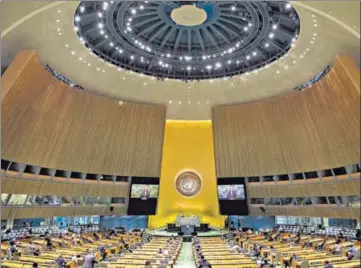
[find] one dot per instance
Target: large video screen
(232, 196)
(231, 192)
(143, 196)
(144, 191)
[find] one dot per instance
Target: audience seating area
(109, 249)
(120, 249)
(218, 253)
(299, 251)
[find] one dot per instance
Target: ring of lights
(141, 36)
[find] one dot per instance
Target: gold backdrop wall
(187, 146)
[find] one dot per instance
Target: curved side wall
(46, 123)
(314, 129)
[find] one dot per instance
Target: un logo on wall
(188, 184)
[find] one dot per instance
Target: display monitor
(143, 196)
(231, 192)
(232, 196)
(144, 191)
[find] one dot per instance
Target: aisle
(185, 258)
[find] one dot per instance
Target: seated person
(13, 249)
(328, 265)
(35, 264)
(147, 264)
(203, 263)
(89, 260)
(322, 245)
(289, 262)
(351, 253)
(34, 249)
(60, 261)
(337, 249)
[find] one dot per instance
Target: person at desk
(351, 253)
(231, 194)
(145, 193)
(328, 265)
(89, 260)
(289, 262)
(203, 263)
(60, 262)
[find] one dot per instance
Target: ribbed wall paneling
(38, 187)
(302, 189)
(313, 129)
(307, 211)
(47, 123)
(46, 212)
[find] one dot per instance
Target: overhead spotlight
(209, 67)
(254, 53)
(229, 61)
(102, 32)
(141, 7)
(82, 9)
(233, 8)
(245, 28)
(100, 15)
(271, 35)
(100, 25)
(168, 55)
(77, 18)
(111, 44)
(133, 11)
(274, 26)
(189, 68)
(248, 57)
(266, 45)
(218, 65)
(204, 57)
(288, 6)
(132, 57)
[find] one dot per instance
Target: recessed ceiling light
(100, 15)
(170, 102)
(73, 52)
(59, 10)
(245, 28)
(207, 102)
(266, 45)
(301, 56)
(294, 62)
(278, 71)
(233, 8)
(66, 45)
(77, 18)
(288, 6)
(198, 102)
(179, 102)
(271, 35)
(189, 102)
(274, 26)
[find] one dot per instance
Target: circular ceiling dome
(188, 40)
(189, 15)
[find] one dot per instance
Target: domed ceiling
(320, 29)
(188, 40)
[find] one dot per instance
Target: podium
(192, 220)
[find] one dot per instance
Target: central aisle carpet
(186, 258)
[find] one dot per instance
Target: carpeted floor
(185, 258)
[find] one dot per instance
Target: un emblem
(188, 184)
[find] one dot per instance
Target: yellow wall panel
(187, 146)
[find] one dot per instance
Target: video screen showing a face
(231, 192)
(144, 191)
